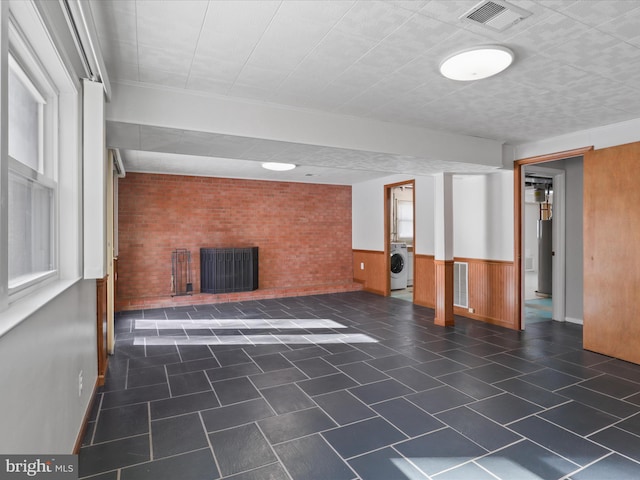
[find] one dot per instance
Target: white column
(443, 224)
(443, 232)
(94, 181)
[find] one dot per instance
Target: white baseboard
(573, 320)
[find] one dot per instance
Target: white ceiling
(577, 67)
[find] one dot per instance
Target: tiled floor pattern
(472, 401)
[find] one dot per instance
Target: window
(405, 220)
(31, 186)
(40, 167)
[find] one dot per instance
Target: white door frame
(558, 239)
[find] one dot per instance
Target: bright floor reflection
(277, 336)
(266, 339)
(236, 324)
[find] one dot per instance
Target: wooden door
(612, 251)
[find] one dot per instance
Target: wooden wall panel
(491, 292)
(424, 281)
(374, 277)
(444, 292)
(611, 257)
(101, 319)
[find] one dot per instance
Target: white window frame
(408, 205)
(24, 32)
(23, 60)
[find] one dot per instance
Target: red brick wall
(303, 232)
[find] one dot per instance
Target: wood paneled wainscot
(374, 276)
(491, 294)
(424, 281)
(611, 257)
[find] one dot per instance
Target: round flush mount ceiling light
(278, 167)
(476, 63)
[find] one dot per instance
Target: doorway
(399, 239)
(548, 299)
(566, 263)
(538, 223)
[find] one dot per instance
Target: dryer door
(397, 263)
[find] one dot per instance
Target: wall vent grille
(461, 284)
(495, 15)
(528, 264)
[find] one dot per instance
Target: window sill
(23, 308)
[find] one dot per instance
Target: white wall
(600, 137)
(574, 236)
(40, 409)
(48, 335)
(368, 213)
(530, 223)
(367, 219)
(425, 216)
(483, 216)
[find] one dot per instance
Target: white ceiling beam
(171, 108)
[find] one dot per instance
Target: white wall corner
(94, 181)
(599, 137)
(578, 321)
(508, 156)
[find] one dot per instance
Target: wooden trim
(101, 328)
(550, 157)
(387, 227)
(463, 312)
(374, 276)
(387, 238)
(85, 421)
(481, 260)
(424, 281)
(518, 218)
(444, 292)
(518, 209)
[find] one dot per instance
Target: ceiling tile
(167, 59)
(208, 85)
(625, 27)
(373, 19)
(218, 70)
(160, 77)
(316, 11)
(115, 20)
(178, 24)
(123, 71)
(600, 12)
(118, 52)
(266, 78)
(577, 65)
(232, 29)
(286, 43)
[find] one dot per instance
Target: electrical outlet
(361, 265)
(80, 384)
(472, 310)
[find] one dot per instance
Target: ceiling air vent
(496, 15)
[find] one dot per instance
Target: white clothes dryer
(399, 265)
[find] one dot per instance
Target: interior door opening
(399, 239)
(538, 226)
(542, 245)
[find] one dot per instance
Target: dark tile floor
(353, 386)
